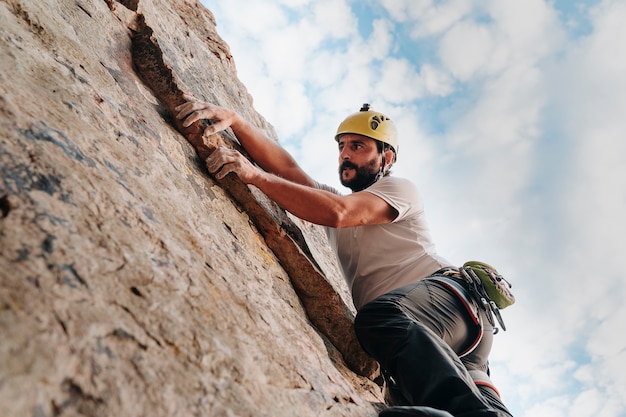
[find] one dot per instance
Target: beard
(364, 175)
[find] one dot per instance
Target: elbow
(340, 217)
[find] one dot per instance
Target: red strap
(488, 385)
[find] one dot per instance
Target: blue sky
(511, 119)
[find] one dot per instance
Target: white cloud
(399, 81)
(605, 339)
(531, 28)
(588, 403)
(335, 17)
(589, 98)
(436, 82)
(554, 407)
(465, 49)
(294, 3)
(380, 41)
(428, 18)
(297, 116)
(284, 54)
(260, 17)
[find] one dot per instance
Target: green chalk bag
(489, 289)
(496, 287)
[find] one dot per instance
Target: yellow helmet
(372, 124)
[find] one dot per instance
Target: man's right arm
(265, 152)
(280, 177)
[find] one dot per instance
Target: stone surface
(131, 282)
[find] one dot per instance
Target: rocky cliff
(132, 283)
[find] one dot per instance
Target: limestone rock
(132, 283)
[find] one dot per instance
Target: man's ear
(388, 158)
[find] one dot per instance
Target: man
(413, 317)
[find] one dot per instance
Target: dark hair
(383, 147)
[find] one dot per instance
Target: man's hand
(267, 154)
(194, 110)
(224, 160)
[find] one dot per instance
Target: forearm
(264, 151)
(267, 153)
(308, 203)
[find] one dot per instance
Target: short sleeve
(400, 194)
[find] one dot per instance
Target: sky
(512, 124)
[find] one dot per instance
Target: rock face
(132, 283)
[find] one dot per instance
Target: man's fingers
(210, 129)
(218, 159)
(192, 111)
(184, 110)
(215, 127)
(195, 116)
(213, 164)
(225, 160)
(187, 104)
(226, 169)
(189, 96)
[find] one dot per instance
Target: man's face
(359, 161)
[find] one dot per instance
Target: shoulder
(399, 193)
(394, 185)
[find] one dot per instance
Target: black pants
(416, 333)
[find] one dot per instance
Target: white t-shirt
(377, 259)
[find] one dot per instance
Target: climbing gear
(497, 287)
(489, 288)
(372, 124)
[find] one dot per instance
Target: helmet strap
(381, 173)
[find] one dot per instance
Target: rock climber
(414, 315)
